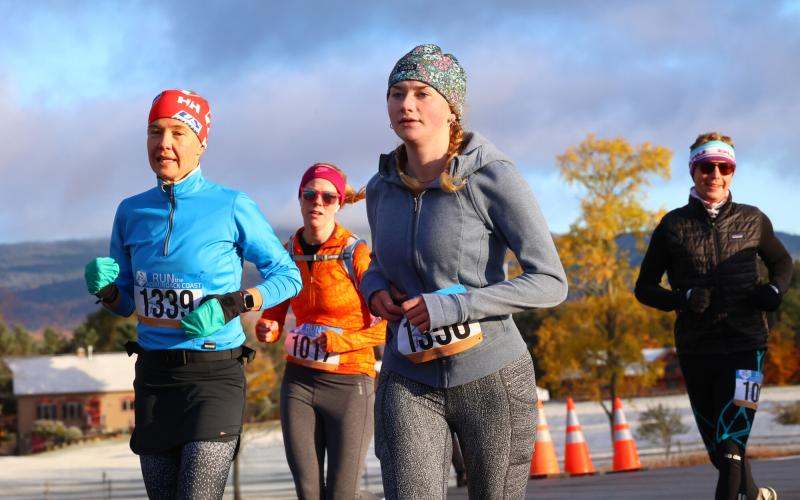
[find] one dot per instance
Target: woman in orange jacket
(327, 394)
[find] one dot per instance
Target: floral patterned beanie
(427, 64)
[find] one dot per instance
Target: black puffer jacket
(721, 255)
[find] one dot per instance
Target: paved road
(686, 483)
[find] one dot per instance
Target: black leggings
(723, 425)
(197, 470)
(326, 414)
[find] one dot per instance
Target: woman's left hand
(321, 340)
(417, 313)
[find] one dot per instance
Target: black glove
(699, 299)
(767, 298)
(232, 304)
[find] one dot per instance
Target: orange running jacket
(330, 298)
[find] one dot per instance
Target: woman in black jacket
(709, 249)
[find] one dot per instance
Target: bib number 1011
(301, 348)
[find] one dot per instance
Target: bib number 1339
(420, 347)
(748, 388)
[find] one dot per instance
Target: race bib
(441, 342)
(166, 296)
(748, 388)
(301, 349)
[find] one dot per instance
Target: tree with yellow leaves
(593, 343)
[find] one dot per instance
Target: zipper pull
(417, 201)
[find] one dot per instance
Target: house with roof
(91, 392)
(670, 378)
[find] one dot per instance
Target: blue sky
(297, 83)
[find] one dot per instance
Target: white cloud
(292, 84)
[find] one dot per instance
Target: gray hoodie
(440, 239)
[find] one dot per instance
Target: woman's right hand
(99, 273)
(384, 306)
(267, 330)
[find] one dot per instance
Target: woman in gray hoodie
(444, 208)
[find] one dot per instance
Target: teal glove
(203, 321)
(214, 312)
(99, 273)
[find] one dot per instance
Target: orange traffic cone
(544, 462)
(626, 458)
(576, 452)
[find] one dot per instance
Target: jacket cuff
(125, 306)
(332, 342)
(371, 283)
(681, 299)
(443, 310)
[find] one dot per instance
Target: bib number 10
(170, 304)
(748, 388)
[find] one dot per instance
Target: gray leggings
(494, 417)
(326, 412)
(197, 470)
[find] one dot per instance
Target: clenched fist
(267, 330)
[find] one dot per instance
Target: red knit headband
(327, 172)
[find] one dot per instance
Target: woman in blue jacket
(176, 260)
(444, 208)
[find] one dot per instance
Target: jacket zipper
(171, 189)
(417, 206)
(718, 256)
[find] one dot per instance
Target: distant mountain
(791, 242)
(41, 283)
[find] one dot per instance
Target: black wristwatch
(249, 301)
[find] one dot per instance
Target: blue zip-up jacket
(438, 239)
(177, 243)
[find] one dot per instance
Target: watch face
(249, 302)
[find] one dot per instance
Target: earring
(390, 126)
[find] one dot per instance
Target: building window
(73, 410)
(46, 411)
(127, 405)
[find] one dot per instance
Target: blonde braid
(448, 183)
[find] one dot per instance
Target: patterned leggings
(198, 471)
(723, 425)
(494, 417)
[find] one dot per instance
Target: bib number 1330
(420, 347)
